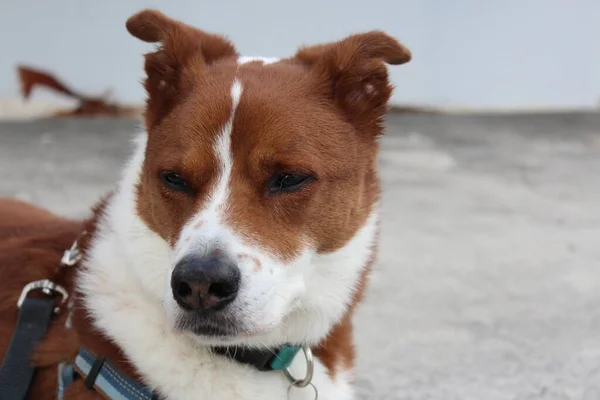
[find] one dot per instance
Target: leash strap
(101, 375)
(17, 371)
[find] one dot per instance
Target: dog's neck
(119, 295)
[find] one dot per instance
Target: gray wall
(467, 53)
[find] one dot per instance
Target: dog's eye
(175, 182)
(288, 182)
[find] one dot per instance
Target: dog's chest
(233, 382)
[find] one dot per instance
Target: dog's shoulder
(32, 241)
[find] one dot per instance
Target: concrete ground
(488, 281)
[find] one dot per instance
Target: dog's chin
(211, 332)
(218, 329)
(209, 327)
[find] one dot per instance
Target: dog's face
(261, 176)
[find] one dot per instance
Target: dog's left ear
(354, 74)
(179, 40)
(182, 48)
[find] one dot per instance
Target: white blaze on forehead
(264, 60)
(223, 152)
(209, 217)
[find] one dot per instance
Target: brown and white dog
(247, 216)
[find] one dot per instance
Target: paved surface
(488, 284)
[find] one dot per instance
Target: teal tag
(284, 358)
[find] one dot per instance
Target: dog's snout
(202, 283)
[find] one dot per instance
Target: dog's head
(260, 174)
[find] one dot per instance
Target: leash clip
(71, 256)
(47, 287)
(307, 380)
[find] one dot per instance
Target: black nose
(202, 283)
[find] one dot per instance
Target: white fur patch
(128, 268)
(265, 60)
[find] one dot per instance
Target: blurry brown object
(98, 106)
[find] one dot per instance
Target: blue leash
(101, 375)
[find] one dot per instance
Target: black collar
(262, 359)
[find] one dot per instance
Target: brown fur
(318, 112)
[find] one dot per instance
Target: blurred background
(488, 280)
(468, 54)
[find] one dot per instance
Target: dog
(246, 220)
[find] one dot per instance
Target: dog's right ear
(180, 46)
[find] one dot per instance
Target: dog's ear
(354, 74)
(180, 46)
